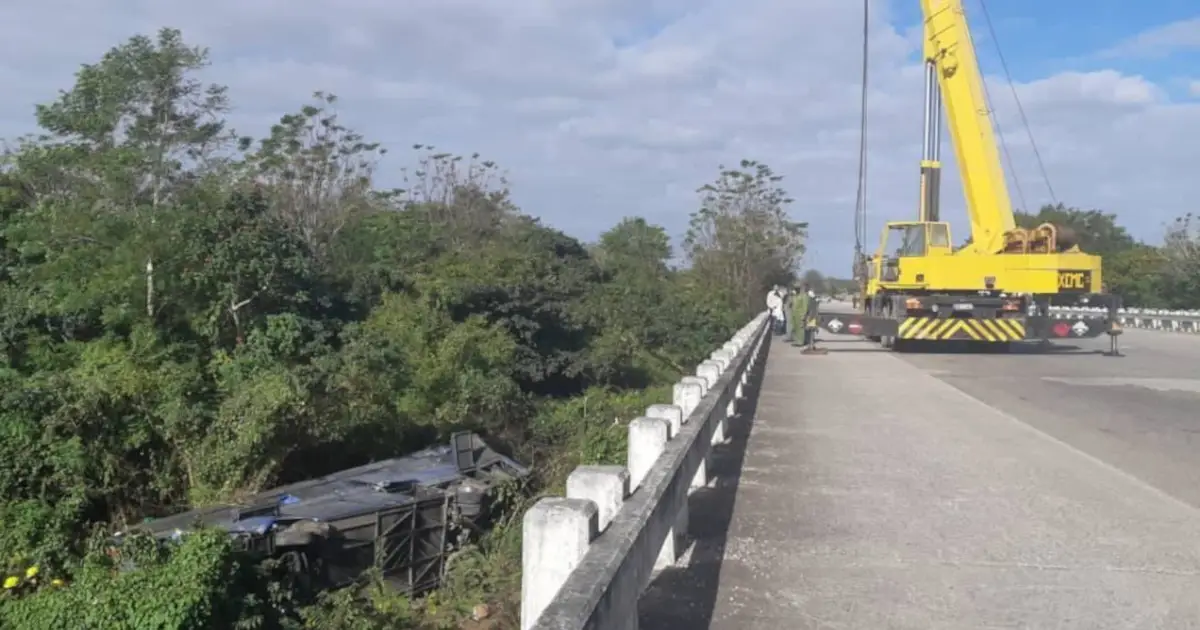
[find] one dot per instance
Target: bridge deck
(864, 493)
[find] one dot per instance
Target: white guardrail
(1145, 318)
(587, 557)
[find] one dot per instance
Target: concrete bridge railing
(1145, 318)
(588, 556)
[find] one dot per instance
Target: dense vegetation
(188, 316)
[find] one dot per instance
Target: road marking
(1156, 384)
(1135, 480)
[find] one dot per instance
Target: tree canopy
(189, 315)
(743, 241)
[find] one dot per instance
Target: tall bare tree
(1181, 258)
(467, 196)
(316, 171)
(742, 240)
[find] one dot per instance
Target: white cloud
(605, 108)
(1159, 41)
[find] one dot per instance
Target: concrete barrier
(1144, 318)
(586, 558)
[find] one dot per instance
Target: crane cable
(860, 202)
(1020, 109)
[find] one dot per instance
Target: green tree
(1181, 264)
(1136, 274)
(467, 198)
(742, 240)
(634, 256)
(648, 313)
(635, 244)
(134, 127)
(317, 172)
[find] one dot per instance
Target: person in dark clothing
(804, 308)
(799, 309)
(789, 319)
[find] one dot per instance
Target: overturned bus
(401, 516)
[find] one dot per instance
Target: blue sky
(1068, 34)
(600, 109)
(1038, 35)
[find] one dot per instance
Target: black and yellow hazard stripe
(995, 329)
(927, 328)
(934, 328)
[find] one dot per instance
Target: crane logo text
(1074, 280)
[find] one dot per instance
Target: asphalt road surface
(1139, 412)
(944, 489)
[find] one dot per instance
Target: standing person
(789, 322)
(812, 304)
(794, 294)
(785, 316)
(799, 310)
(775, 306)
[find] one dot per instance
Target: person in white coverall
(775, 306)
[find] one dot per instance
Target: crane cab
(907, 240)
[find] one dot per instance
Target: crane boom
(957, 83)
(918, 287)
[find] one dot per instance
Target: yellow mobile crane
(998, 287)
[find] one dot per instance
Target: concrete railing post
(555, 533)
(700, 388)
(673, 546)
(672, 413)
(702, 383)
(636, 502)
(687, 397)
(710, 371)
(723, 358)
(647, 440)
(606, 486)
